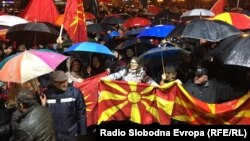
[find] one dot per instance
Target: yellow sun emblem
(129, 98)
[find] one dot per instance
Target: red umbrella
(136, 22)
(89, 16)
(154, 9)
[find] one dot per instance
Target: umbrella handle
(162, 61)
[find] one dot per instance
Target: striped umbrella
(29, 64)
(238, 20)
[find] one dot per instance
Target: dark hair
(76, 60)
(139, 65)
(27, 98)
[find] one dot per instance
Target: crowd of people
(50, 108)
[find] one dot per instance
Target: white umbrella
(198, 12)
(9, 20)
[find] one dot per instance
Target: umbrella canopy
(240, 21)
(136, 22)
(166, 14)
(34, 33)
(209, 30)
(135, 31)
(147, 15)
(234, 51)
(29, 64)
(114, 34)
(141, 45)
(114, 19)
(166, 54)
(124, 15)
(198, 12)
(154, 9)
(89, 47)
(97, 28)
(9, 20)
(160, 31)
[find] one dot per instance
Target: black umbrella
(166, 14)
(138, 45)
(147, 15)
(234, 51)
(178, 30)
(112, 20)
(209, 30)
(124, 15)
(162, 21)
(97, 28)
(36, 33)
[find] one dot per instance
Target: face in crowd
(200, 79)
(134, 64)
(129, 53)
(96, 62)
(170, 75)
(61, 85)
(76, 66)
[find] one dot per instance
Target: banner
(137, 102)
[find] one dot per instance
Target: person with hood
(75, 70)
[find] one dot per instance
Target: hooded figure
(75, 70)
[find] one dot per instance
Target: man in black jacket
(31, 121)
(203, 88)
(67, 106)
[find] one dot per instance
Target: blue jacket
(68, 109)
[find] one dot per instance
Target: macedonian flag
(193, 111)
(74, 21)
(89, 89)
(137, 102)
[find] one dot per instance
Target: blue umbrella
(89, 47)
(135, 31)
(160, 31)
(163, 54)
(132, 42)
(114, 34)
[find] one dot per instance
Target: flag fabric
(40, 10)
(144, 104)
(218, 7)
(89, 88)
(193, 111)
(74, 21)
(137, 102)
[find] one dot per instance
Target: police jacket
(68, 109)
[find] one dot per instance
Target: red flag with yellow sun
(74, 21)
(137, 102)
(193, 111)
(89, 89)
